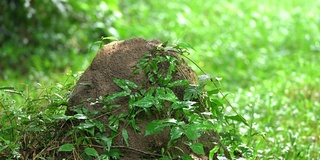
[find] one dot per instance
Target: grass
(267, 53)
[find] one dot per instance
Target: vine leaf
(66, 148)
(156, 126)
(125, 136)
(197, 148)
(193, 132)
(238, 118)
(91, 152)
(145, 102)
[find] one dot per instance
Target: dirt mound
(117, 60)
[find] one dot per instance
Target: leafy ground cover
(266, 53)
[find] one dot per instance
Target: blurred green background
(266, 52)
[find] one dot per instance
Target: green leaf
(131, 84)
(101, 139)
(208, 124)
(215, 102)
(175, 133)
(142, 64)
(145, 57)
(109, 143)
(151, 77)
(112, 97)
(90, 130)
(61, 116)
(149, 92)
(165, 43)
(91, 152)
(99, 125)
(155, 126)
(213, 151)
(238, 118)
(4, 147)
(80, 116)
(110, 38)
(166, 94)
(13, 91)
(225, 96)
(125, 136)
(66, 148)
(121, 83)
(179, 105)
(133, 124)
(85, 125)
(113, 153)
(215, 91)
(192, 92)
(125, 84)
(145, 102)
(197, 148)
(165, 80)
(171, 120)
(193, 132)
(137, 70)
(113, 123)
(10, 88)
(154, 67)
(184, 45)
(164, 157)
(186, 157)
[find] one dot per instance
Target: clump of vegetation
(266, 52)
(36, 33)
(199, 112)
(30, 118)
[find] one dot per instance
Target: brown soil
(117, 60)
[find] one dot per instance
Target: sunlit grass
(265, 51)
